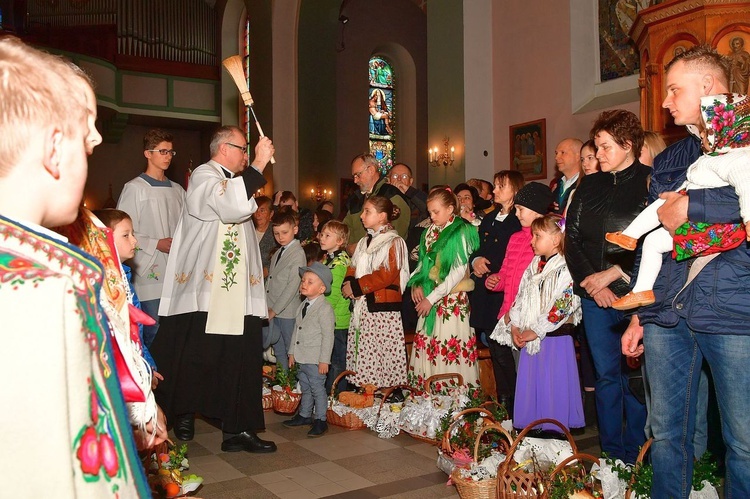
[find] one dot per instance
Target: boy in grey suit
(311, 346)
(282, 295)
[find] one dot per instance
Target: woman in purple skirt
(540, 324)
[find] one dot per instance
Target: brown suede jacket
(381, 288)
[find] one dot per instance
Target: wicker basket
(428, 389)
(268, 399)
(480, 489)
(564, 468)
(350, 420)
(638, 464)
(513, 482)
(446, 448)
(285, 402)
(491, 404)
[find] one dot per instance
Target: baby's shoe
(634, 300)
(621, 240)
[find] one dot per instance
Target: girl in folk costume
(531, 202)
(540, 323)
(444, 342)
(379, 272)
(133, 371)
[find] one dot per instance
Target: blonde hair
(38, 90)
(340, 229)
(654, 142)
(446, 198)
(554, 225)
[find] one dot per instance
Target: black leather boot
(184, 427)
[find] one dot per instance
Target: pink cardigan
(518, 256)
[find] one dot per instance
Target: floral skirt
(452, 347)
(376, 350)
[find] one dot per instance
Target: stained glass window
(382, 113)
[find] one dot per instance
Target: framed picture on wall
(528, 150)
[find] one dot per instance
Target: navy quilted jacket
(718, 299)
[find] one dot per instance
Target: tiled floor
(342, 464)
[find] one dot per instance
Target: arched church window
(382, 115)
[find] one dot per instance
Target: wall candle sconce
(319, 195)
(444, 158)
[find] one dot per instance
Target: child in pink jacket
(531, 202)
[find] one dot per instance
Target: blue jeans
(281, 347)
(313, 389)
(700, 437)
(151, 307)
(674, 357)
(622, 418)
(338, 360)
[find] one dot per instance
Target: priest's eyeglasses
(164, 152)
(243, 149)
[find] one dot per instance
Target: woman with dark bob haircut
(604, 202)
(494, 233)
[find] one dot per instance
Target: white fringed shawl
(367, 259)
(537, 295)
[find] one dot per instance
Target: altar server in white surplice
(154, 203)
(209, 346)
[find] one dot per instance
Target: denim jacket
(718, 299)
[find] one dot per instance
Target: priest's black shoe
(298, 420)
(184, 427)
(249, 442)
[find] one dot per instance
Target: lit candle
(452, 155)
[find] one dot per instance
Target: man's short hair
(704, 58)
(340, 229)
(285, 215)
(221, 136)
(408, 168)
(155, 137)
(38, 90)
(478, 183)
(287, 196)
(368, 158)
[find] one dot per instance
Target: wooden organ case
(662, 31)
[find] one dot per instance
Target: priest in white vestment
(209, 346)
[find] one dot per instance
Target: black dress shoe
(184, 427)
(318, 429)
(298, 420)
(249, 442)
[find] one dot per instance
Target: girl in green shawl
(443, 342)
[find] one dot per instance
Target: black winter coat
(604, 202)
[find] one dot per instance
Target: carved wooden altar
(662, 31)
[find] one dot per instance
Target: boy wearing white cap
(311, 347)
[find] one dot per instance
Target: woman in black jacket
(605, 202)
(494, 233)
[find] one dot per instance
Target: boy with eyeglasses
(154, 203)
